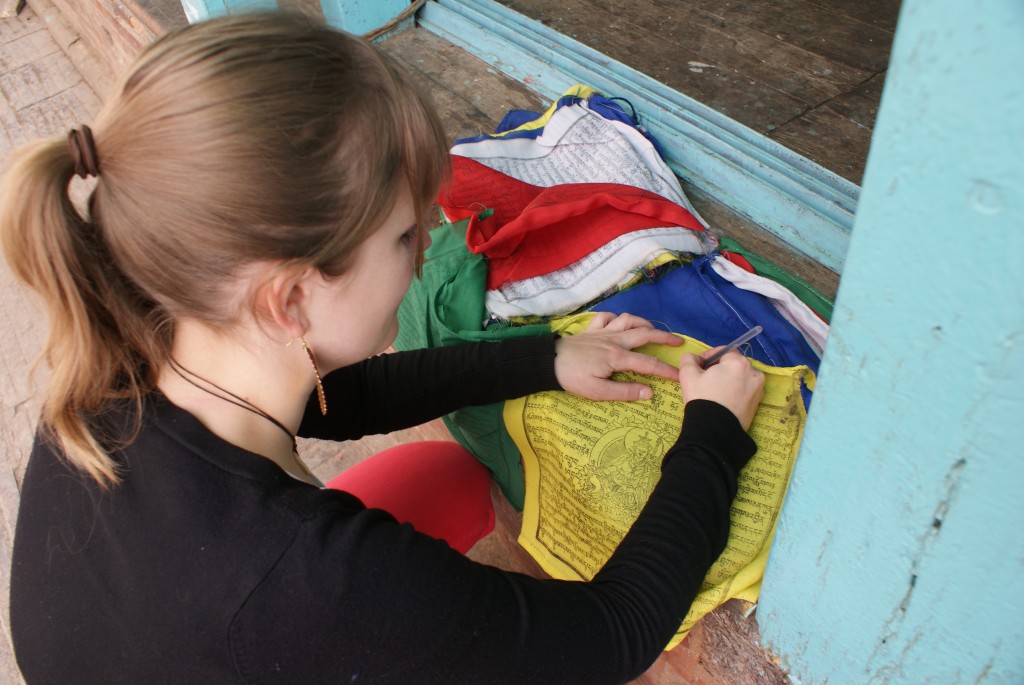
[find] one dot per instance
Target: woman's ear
(284, 299)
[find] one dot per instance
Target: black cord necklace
(191, 377)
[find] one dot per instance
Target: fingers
(693, 364)
(733, 382)
(628, 392)
(621, 392)
(632, 338)
(707, 353)
(690, 365)
(613, 323)
(584, 364)
(638, 337)
(625, 322)
(610, 323)
(600, 321)
(646, 365)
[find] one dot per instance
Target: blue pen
(746, 337)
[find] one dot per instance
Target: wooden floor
(806, 73)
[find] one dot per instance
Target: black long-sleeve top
(209, 564)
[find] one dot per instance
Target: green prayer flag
(446, 307)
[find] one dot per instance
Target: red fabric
(739, 260)
(536, 230)
(438, 487)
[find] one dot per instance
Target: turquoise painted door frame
(354, 16)
(899, 554)
(199, 10)
(361, 16)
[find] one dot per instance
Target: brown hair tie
(83, 152)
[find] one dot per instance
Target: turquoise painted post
(199, 10)
(900, 552)
(361, 16)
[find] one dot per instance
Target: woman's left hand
(585, 362)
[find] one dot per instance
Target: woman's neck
(243, 387)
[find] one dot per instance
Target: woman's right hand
(732, 382)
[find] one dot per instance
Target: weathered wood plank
(471, 97)
(114, 31)
(25, 49)
(837, 134)
(860, 105)
(100, 76)
(49, 117)
(809, 26)
(879, 13)
(17, 27)
(57, 114)
(164, 13)
(10, 8)
(816, 135)
(740, 58)
(753, 76)
(38, 80)
(747, 50)
(681, 58)
(41, 92)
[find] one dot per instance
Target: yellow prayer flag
(590, 467)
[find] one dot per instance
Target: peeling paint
(824, 546)
(951, 484)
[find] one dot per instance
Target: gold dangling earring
(316, 372)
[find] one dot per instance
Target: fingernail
(646, 393)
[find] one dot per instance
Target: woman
(261, 187)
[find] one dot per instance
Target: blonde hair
(248, 138)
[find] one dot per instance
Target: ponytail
(104, 334)
(261, 137)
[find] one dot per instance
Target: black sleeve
(380, 603)
(393, 391)
(657, 570)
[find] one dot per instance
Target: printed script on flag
(590, 467)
